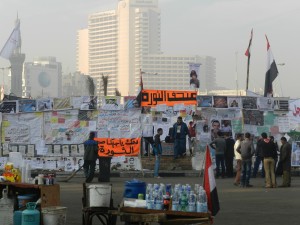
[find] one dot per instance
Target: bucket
(133, 188)
(24, 199)
(54, 215)
(99, 195)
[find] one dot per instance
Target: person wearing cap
(90, 156)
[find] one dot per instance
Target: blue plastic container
(31, 216)
(133, 188)
(24, 199)
(18, 217)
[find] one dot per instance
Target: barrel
(31, 216)
(133, 188)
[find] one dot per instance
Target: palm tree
(117, 92)
(90, 85)
(104, 84)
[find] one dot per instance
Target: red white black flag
(271, 73)
(210, 185)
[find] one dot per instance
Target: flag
(13, 42)
(141, 87)
(209, 184)
(247, 53)
(271, 73)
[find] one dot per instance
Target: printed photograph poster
(9, 107)
(296, 153)
(220, 102)
(89, 102)
(44, 104)
(226, 127)
(234, 102)
(253, 117)
(130, 102)
(111, 103)
(204, 101)
(249, 102)
(62, 103)
(264, 103)
(87, 115)
(194, 75)
(27, 105)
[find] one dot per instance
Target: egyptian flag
(209, 184)
(271, 73)
(141, 87)
(247, 53)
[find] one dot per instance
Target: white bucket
(99, 195)
(54, 215)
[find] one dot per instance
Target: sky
(217, 28)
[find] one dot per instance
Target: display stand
(144, 216)
(49, 194)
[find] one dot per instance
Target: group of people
(266, 152)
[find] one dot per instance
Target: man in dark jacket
(180, 130)
(258, 159)
(285, 160)
(229, 154)
(219, 144)
(269, 153)
(90, 157)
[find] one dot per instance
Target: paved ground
(239, 206)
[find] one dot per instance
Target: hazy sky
(218, 28)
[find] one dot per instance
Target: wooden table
(144, 216)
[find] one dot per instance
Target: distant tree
(104, 84)
(90, 85)
(117, 92)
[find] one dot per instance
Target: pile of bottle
(182, 197)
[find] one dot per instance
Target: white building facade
(125, 40)
(42, 78)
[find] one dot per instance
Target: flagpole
(248, 54)
(247, 80)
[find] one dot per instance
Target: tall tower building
(82, 51)
(125, 40)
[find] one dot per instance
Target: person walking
(90, 157)
(285, 160)
(219, 144)
(157, 149)
(269, 153)
(238, 158)
(180, 130)
(247, 151)
(229, 154)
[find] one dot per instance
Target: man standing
(90, 157)
(219, 144)
(285, 160)
(258, 159)
(269, 152)
(180, 130)
(238, 158)
(192, 131)
(247, 151)
(157, 149)
(229, 154)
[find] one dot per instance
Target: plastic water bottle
(158, 201)
(175, 200)
(148, 197)
(183, 202)
(192, 202)
(6, 209)
(202, 201)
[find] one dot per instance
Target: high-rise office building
(126, 40)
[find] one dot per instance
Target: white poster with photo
(119, 124)
(296, 153)
(111, 103)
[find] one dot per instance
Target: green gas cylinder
(31, 216)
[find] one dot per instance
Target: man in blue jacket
(180, 130)
(90, 157)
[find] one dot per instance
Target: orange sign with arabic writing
(170, 98)
(110, 147)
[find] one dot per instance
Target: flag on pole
(141, 87)
(13, 42)
(247, 53)
(272, 72)
(209, 184)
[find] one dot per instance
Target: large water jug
(31, 216)
(133, 188)
(6, 209)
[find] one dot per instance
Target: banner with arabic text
(170, 98)
(109, 147)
